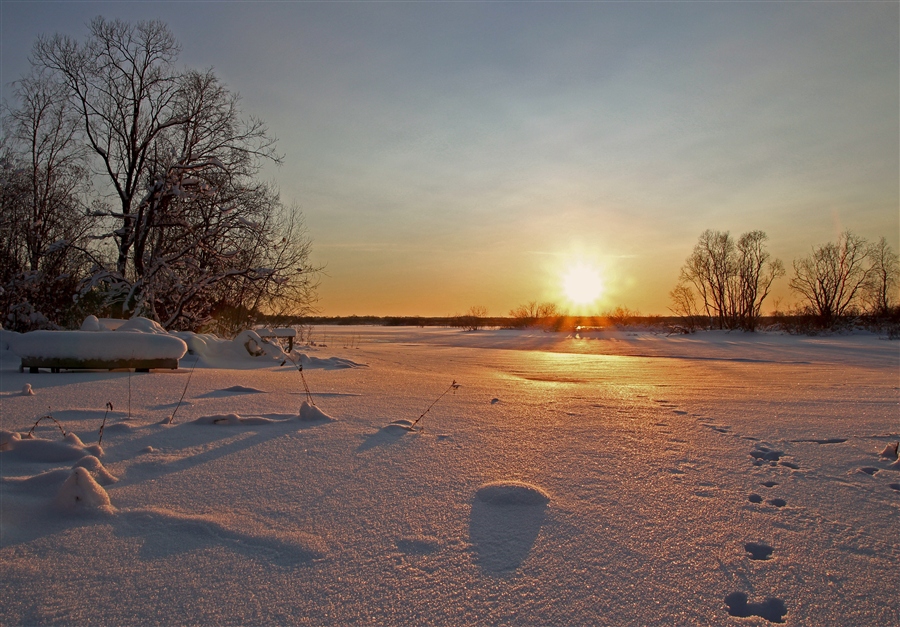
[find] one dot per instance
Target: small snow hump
(890, 451)
(311, 413)
(81, 492)
(96, 469)
(512, 493)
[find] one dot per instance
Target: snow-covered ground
(611, 479)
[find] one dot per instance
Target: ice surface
(605, 479)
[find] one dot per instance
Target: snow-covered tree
(194, 231)
(43, 227)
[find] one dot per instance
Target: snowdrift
(96, 346)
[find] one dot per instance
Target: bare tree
(731, 279)
(124, 84)
(756, 271)
(534, 313)
(622, 316)
(880, 293)
(194, 231)
(473, 318)
(832, 277)
(44, 227)
(708, 270)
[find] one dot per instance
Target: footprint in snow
(894, 486)
(417, 545)
(762, 454)
(869, 470)
(777, 502)
(772, 609)
(504, 524)
(758, 550)
(769, 484)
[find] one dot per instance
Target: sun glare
(582, 284)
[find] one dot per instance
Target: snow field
(558, 486)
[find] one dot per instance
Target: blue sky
(450, 154)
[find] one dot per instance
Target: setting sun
(582, 284)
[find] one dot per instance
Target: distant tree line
(129, 186)
(724, 282)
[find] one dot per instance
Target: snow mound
(26, 390)
(8, 439)
(31, 449)
(398, 425)
(257, 347)
(234, 389)
(119, 427)
(45, 483)
(330, 363)
(143, 325)
(512, 493)
(96, 345)
(5, 337)
(92, 323)
(96, 469)
(311, 413)
(308, 413)
(247, 349)
(232, 419)
(80, 492)
(890, 451)
(240, 389)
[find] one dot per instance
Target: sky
(455, 154)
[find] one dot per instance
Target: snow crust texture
(512, 493)
(605, 479)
